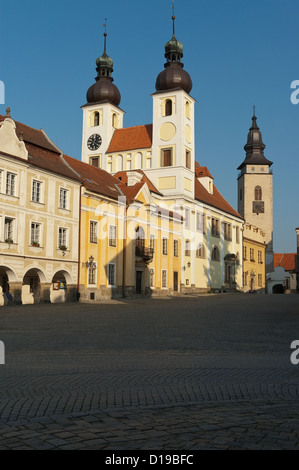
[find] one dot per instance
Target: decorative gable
(9, 141)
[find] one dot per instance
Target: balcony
(146, 253)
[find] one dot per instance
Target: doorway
(138, 282)
(175, 281)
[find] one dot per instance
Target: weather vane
(254, 109)
(173, 16)
(105, 33)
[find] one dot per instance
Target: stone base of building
(193, 290)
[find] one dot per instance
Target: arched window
(215, 254)
(96, 119)
(200, 252)
(168, 108)
(187, 109)
(258, 193)
(114, 121)
(140, 236)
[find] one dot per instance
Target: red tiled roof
(286, 260)
(201, 171)
(124, 178)
(32, 136)
(95, 179)
(216, 199)
(131, 138)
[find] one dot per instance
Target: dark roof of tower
(255, 147)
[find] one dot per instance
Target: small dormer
(9, 141)
(134, 177)
(205, 178)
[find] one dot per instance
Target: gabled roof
(122, 176)
(286, 260)
(131, 138)
(42, 153)
(95, 179)
(216, 199)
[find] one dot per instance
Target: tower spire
(105, 35)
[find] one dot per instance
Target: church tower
(101, 114)
(173, 148)
(255, 189)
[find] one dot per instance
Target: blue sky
(238, 53)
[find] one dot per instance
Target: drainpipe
(124, 246)
(79, 241)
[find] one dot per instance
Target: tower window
(187, 109)
(168, 108)
(96, 119)
(94, 161)
(114, 121)
(188, 159)
(258, 193)
(166, 157)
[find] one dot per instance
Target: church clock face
(94, 142)
(258, 207)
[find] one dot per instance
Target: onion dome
(173, 75)
(254, 147)
(103, 89)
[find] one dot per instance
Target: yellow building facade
(254, 253)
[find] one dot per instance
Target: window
(237, 235)
(200, 222)
(215, 227)
(35, 234)
(260, 256)
(187, 248)
(112, 235)
(96, 119)
(166, 157)
(245, 278)
(164, 278)
(36, 191)
(10, 184)
(252, 254)
(94, 161)
(168, 108)
(152, 242)
(92, 274)
(187, 109)
(227, 231)
(187, 218)
(63, 198)
(93, 228)
(215, 254)
(244, 252)
(8, 228)
(257, 193)
(175, 248)
(140, 236)
(152, 278)
(200, 252)
(164, 246)
(114, 121)
(62, 237)
(188, 159)
(260, 280)
(111, 274)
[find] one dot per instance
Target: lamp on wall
(90, 263)
(188, 264)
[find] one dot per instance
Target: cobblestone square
(180, 373)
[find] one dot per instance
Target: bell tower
(173, 146)
(101, 113)
(255, 188)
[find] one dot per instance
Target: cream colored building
(39, 218)
(254, 256)
(164, 151)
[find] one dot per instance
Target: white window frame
(166, 278)
(11, 185)
(187, 218)
(39, 237)
(6, 233)
(152, 277)
(92, 270)
(66, 236)
(40, 200)
(94, 233)
(65, 199)
(108, 274)
(166, 244)
(175, 251)
(111, 238)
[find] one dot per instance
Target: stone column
(15, 289)
(45, 289)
